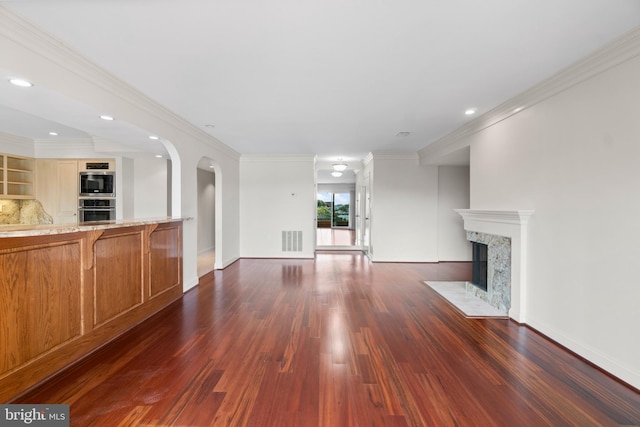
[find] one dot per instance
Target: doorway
(335, 218)
(206, 182)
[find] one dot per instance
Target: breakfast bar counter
(66, 290)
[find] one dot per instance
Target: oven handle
(84, 208)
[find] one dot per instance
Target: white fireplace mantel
(512, 224)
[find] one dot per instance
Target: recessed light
(470, 111)
(517, 110)
(53, 133)
(105, 117)
(403, 134)
(153, 137)
(159, 156)
(20, 82)
(211, 166)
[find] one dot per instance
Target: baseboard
(588, 355)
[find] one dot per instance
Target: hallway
(336, 237)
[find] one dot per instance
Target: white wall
(404, 210)
(206, 210)
(574, 160)
(453, 193)
(276, 194)
(149, 187)
(125, 173)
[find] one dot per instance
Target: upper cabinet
(16, 177)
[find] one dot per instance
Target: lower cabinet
(64, 295)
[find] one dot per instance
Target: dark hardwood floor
(337, 341)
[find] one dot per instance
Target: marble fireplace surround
(512, 225)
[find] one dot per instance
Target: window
(333, 209)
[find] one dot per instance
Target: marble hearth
(505, 232)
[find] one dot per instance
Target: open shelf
(16, 176)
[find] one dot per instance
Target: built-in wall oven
(91, 210)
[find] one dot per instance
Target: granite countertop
(23, 230)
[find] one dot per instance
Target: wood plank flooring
(336, 341)
(335, 237)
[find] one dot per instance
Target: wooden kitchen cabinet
(57, 189)
(1, 176)
(65, 294)
(17, 177)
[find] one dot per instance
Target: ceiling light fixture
(336, 174)
(340, 166)
(20, 82)
(153, 137)
(105, 117)
(159, 156)
(470, 111)
(53, 133)
(517, 110)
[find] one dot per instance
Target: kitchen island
(66, 290)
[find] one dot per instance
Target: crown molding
(28, 36)
(17, 145)
(395, 156)
(68, 147)
(615, 53)
(367, 159)
(14, 139)
(245, 158)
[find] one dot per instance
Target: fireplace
(479, 265)
(505, 234)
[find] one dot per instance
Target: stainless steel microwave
(97, 184)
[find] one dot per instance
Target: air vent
(292, 241)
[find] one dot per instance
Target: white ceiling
(332, 78)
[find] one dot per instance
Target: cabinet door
(46, 186)
(2, 173)
(67, 178)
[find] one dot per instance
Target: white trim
(615, 53)
(395, 156)
(245, 158)
(512, 224)
(17, 145)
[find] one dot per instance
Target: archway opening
(206, 190)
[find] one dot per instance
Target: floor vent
(292, 241)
